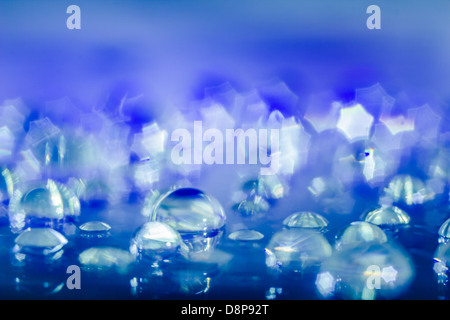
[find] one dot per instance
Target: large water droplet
(155, 240)
(190, 210)
(198, 217)
(39, 241)
(44, 204)
(297, 249)
(305, 219)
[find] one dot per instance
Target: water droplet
(44, 204)
(95, 226)
(246, 235)
(106, 258)
(189, 210)
(198, 217)
(391, 216)
(39, 241)
(305, 219)
(297, 249)
(360, 232)
(155, 240)
(94, 229)
(366, 272)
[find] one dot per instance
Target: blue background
(170, 51)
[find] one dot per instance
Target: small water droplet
(95, 226)
(246, 235)
(305, 219)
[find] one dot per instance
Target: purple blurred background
(170, 50)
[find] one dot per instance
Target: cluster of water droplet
(63, 181)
